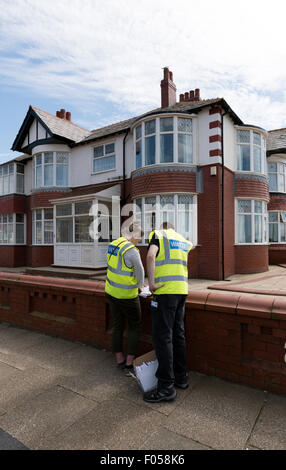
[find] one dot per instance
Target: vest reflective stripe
(120, 286)
(120, 280)
(171, 264)
(171, 261)
(171, 278)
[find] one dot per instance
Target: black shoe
(160, 395)
(182, 385)
(128, 369)
(121, 365)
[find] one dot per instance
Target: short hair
(166, 225)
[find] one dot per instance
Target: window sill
(103, 171)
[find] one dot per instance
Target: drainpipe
(124, 168)
(222, 198)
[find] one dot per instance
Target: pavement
(57, 394)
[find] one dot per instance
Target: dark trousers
(122, 310)
(168, 335)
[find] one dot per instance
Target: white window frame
(12, 178)
(42, 171)
(14, 224)
(158, 211)
(42, 221)
(251, 144)
(280, 166)
(175, 132)
(108, 155)
(252, 213)
(281, 215)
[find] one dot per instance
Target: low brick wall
(236, 337)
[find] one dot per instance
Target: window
(277, 177)
(179, 210)
(277, 227)
(51, 169)
(164, 140)
(251, 151)
(104, 158)
(8, 181)
(251, 221)
(75, 221)
(12, 229)
(43, 226)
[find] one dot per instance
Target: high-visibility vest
(120, 280)
(171, 263)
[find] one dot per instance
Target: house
(192, 162)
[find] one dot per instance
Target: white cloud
(88, 50)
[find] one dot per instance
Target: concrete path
(57, 394)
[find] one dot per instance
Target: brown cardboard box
(145, 368)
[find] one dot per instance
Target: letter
(103, 461)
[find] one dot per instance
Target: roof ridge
(56, 117)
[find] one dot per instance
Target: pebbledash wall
(213, 176)
(232, 336)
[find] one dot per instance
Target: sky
(103, 60)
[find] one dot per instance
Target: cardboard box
(145, 368)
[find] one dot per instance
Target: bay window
(164, 140)
(12, 178)
(277, 177)
(251, 151)
(251, 221)
(277, 227)
(51, 169)
(179, 210)
(12, 229)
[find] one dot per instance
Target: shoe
(160, 395)
(182, 385)
(121, 365)
(128, 369)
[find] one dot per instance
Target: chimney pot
(192, 95)
(58, 114)
(197, 94)
(182, 97)
(68, 116)
(187, 96)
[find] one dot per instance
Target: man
(167, 270)
(125, 275)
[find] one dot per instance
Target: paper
(145, 374)
(145, 292)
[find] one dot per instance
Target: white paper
(145, 292)
(145, 373)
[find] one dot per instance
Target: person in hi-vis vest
(167, 269)
(125, 275)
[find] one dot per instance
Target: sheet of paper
(145, 373)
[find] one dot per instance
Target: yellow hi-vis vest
(120, 281)
(171, 263)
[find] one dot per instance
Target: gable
(35, 133)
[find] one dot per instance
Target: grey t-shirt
(132, 258)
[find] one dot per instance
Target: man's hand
(154, 287)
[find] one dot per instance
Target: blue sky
(103, 60)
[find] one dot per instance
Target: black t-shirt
(155, 241)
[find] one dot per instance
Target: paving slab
(16, 340)
(218, 414)
(270, 430)
(114, 425)
(163, 439)
(46, 415)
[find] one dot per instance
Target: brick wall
(163, 181)
(277, 202)
(12, 204)
(252, 188)
(277, 254)
(251, 259)
(236, 337)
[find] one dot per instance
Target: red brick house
(192, 162)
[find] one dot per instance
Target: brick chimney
(168, 89)
(193, 95)
(62, 114)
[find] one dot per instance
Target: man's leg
(133, 314)
(118, 328)
(179, 344)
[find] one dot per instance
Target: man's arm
(132, 258)
(150, 260)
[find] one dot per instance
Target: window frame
(278, 223)
(14, 224)
(158, 211)
(42, 221)
(252, 213)
(278, 175)
(109, 155)
(252, 145)
(54, 165)
(158, 133)
(12, 178)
